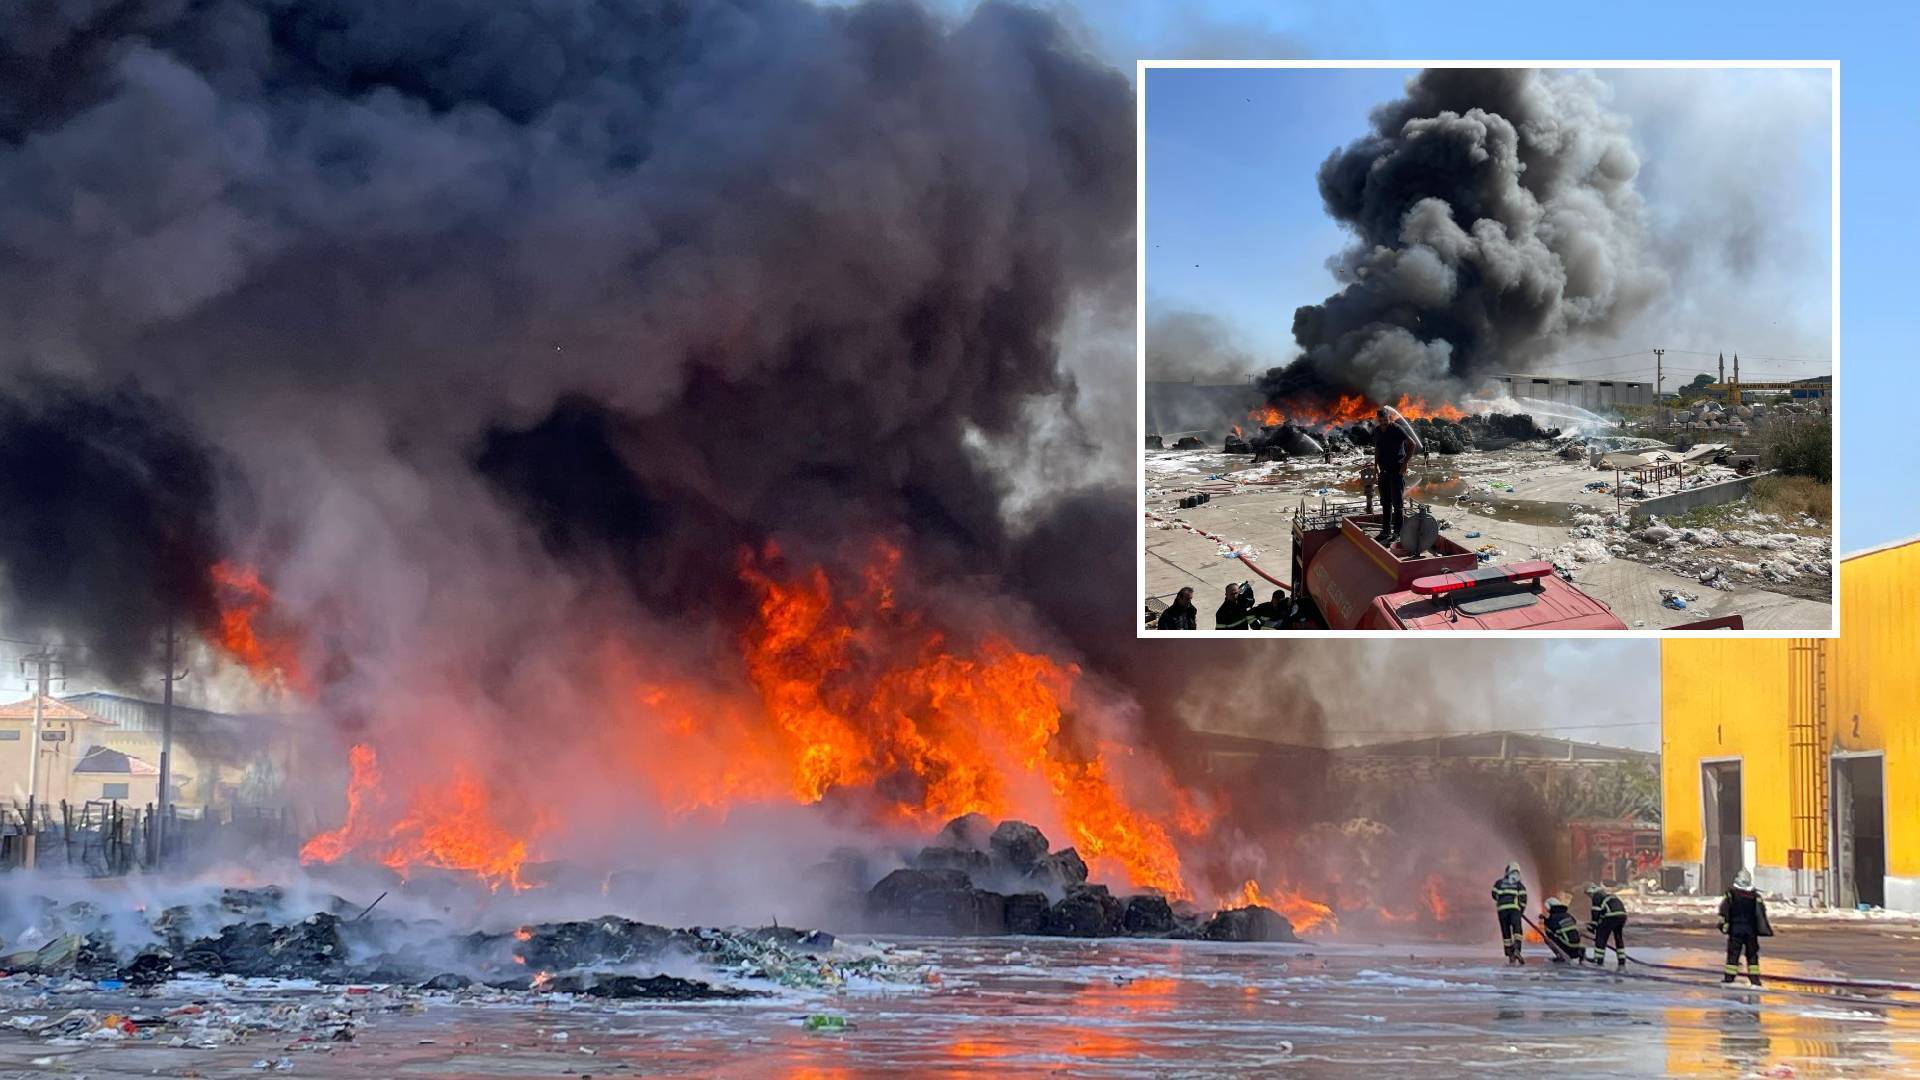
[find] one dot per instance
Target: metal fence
(103, 838)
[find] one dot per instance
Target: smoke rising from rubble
(1495, 218)
(516, 347)
(521, 342)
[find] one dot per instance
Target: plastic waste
(825, 1022)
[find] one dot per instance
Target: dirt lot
(1517, 503)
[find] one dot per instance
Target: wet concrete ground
(1531, 512)
(1031, 1007)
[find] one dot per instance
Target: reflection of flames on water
(1347, 409)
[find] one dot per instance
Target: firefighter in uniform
(1743, 918)
(1510, 904)
(1560, 928)
(1609, 921)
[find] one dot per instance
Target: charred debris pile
(252, 933)
(977, 877)
(1483, 431)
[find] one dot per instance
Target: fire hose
(1218, 539)
(1808, 980)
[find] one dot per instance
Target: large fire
(838, 691)
(248, 629)
(447, 825)
(841, 693)
(1348, 409)
(865, 695)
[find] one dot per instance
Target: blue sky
(1235, 225)
(1880, 155)
(1879, 140)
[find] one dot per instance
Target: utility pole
(42, 661)
(1658, 375)
(166, 752)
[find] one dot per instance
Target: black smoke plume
(1495, 218)
(790, 258)
(523, 322)
(110, 529)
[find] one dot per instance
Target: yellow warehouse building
(1799, 759)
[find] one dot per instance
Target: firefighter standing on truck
(1743, 918)
(1559, 927)
(1510, 903)
(1394, 444)
(1609, 920)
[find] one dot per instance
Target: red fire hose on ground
(1807, 980)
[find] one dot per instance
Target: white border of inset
(1832, 67)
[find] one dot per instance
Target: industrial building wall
(1725, 699)
(1875, 694)
(1732, 700)
(1588, 394)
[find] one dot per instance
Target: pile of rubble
(1488, 431)
(254, 937)
(1763, 553)
(1738, 420)
(977, 877)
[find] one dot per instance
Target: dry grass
(1793, 497)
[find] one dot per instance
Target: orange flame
(1303, 913)
(1347, 409)
(447, 826)
(844, 691)
(245, 627)
(1436, 903)
(861, 692)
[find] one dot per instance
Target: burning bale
(1027, 913)
(1021, 846)
(1060, 872)
(1148, 916)
(1496, 431)
(940, 901)
(1253, 923)
(1050, 893)
(1086, 911)
(1443, 436)
(1189, 442)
